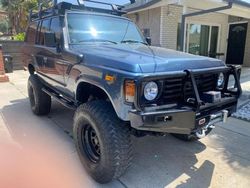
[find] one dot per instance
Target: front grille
(172, 90)
(179, 89)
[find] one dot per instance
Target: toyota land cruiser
(97, 62)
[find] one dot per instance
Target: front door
(236, 43)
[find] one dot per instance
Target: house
(215, 28)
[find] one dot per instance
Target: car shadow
(158, 161)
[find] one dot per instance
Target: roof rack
(59, 9)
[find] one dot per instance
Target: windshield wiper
(133, 41)
(97, 40)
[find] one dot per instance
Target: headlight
(150, 91)
(220, 81)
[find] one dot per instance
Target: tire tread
(43, 105)
(116, 134)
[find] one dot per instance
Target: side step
(67, 103)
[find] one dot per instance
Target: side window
(55, 27)
(38, 31)
(31, 33)
(44, 28)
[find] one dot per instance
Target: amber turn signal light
(129, 91)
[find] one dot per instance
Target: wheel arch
(92, 89)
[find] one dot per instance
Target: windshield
(84, 28)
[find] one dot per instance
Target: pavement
(245, 83)
(243, 111)
(39, 151)
(245, 80)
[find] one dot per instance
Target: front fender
(114, 90)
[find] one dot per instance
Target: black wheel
(192, 136)
(40, 101)
(102, 140)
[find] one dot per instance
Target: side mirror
(148, 40)
(50, 39)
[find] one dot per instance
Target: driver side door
(54, 65)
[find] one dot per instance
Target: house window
(198, 39)
(214, 41)
(178, 47)
(178, 44)
(202, 39)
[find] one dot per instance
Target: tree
(18, 11)
(3, 26)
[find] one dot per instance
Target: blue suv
(97, 62)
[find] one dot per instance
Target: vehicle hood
(143, 58)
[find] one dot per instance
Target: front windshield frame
(68, 41)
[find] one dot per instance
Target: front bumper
(186, 119)
(183, 120)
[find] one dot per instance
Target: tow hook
(202, 132)
(214, 118)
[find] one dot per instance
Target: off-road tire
(113, 138)
(40, 101)
(190, 137)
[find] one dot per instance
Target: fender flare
(82, 79)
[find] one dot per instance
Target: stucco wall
(149, 19)
(171, 16)
(247, 48)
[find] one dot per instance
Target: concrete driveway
(220, 160)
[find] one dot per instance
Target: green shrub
(19, 37)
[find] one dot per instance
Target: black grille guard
(229, 70)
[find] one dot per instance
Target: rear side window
(55, 27)
(44, 28)
(31, 33)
